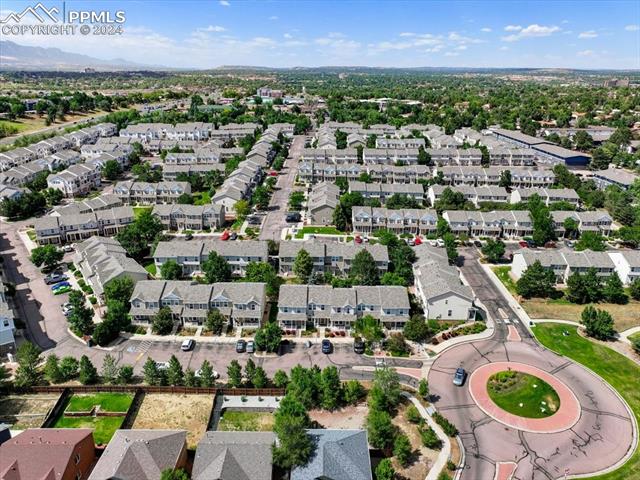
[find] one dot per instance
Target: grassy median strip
(619, 371)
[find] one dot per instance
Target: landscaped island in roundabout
(523, 394)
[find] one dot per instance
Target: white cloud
(407, 34)
(586, 53)
(632, 28)
(564, 22)
(512, 28)
(214, 28)
(461, 47)
(504, 48)
(273, 17)
(532, 31)
(588, 34)
(451, 54)
(287, 35)
(485, 30)
(224, 3)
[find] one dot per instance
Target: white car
(162, 365)
(198, 373)
(440, 243)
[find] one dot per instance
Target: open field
(103, 427)
(181, 412)
(624, 316)
(246, 421)
(26, 411)
(619, 371)
(523, 394)
(109, 402)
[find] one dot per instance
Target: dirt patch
(26, 411)
(182, 412)
(624, 316)
(246, 422)
(423, 458)
(347, 418)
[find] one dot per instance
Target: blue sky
(209, 33)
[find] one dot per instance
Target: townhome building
(548, 195)
(330, 155)
(614, 176)
(439, 286)
(401, 143)
(356, 140)
(311, 172)
(20, 175)
(171, 172)
(190, 254)
(7, 319)
(145, 132)
(9, 192)
(323, 306)
(520, 177)
(120, 152)
(382, 191)
(189, 217)
(132, 193)
(243, 304)
(321, 203)
(475, 195)
(499, 223)
(333, 257)
(590, 221)
(106, 201)
(367, 220)
(15, 157)
(627, 265)
(385, 156)
(515, 157)
(67, 228)
(564, 262)
(101, 260)
(441, 140)
(76, 180)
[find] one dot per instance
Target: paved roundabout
(590, 432)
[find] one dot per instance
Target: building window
(449, 313)
(77, 458)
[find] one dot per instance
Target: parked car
(550, 244)
(67, 248)
(293, 217)
(67, 309)
(251, 346)
(241, 346)
(162, 365)
(233, 236)
(459, 377)
(531, 244)
(439, 243)
(188, 345)
(477, 243)
(188, 236)
(359, 345)
(55, 278)
(523, 244)
(380, 362)
(327, 347)
(411, 242)
(273, 173)
(198, 373)
(60, 285)
(61, 290)
(357, 239)
(253, 220)
(569, 243)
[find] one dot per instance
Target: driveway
(274, 222)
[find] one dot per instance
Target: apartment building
(132, 193)
(439, 286)
(20, 175)
(339, 308)
(548, 195)
(73, 227)
(321, 203)
(329, 256)
(190, 254)
(190, 217)
(241, 303)
(382, 191)
(76, 180)
(367, 220)
(563, 262)
(614, 176)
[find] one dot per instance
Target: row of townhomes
(339, 308)
(478, 195)
(238, 185)
(53, 145)
(190, 254)
(614, 176)
(10, 192)
(242, 303)
(329, 256)
(78, 179)
(72, 227)
(321, 203)
(563, 263)
(143, 193)
(102, 259)
(196, 131)
(366, 220)
(25, 173)
(382, 191)
(171, 172)
(520, 177)
(517, 223)
(311, 172)
(439, 287)
(7, 319)
(106, 201)
(190, 217)
(202, 156)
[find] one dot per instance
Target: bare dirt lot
(26, 411)
(187, 412)
(347, 418)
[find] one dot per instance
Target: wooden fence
(264, 392)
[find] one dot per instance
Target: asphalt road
(275, 221)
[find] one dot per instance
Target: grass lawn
(619, 371)
(246, 421)
(503, 274)
(103, 427)
(318, 230)
(523, 394)
(109, 402)
(31, 233)
(201, 198)
(151, 268)
(137, 211)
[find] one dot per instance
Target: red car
(357, 239)
(273, 173)
(523, 244)
(225, 236)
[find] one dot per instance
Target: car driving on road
(188, 345)
(459, 377)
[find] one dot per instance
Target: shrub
(448, 427)
(413, 415)
(430, 439)
(93, 300)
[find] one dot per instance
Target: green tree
(613, 291)
(584, 287)
(81, 317)
(430, 438)
(364, 270)
(597, 323)
(215, 322)
(591, 241)
(402, 450)
(207, 377)
(268, 338)
(304, 386)
(259, 378)
(542, 222)
(125, 375)
(331, 388)
(493, 250)
(505, 179)
(109, 369)
(303, 265)
(88, 374)
(52, 369)
(170, 270)
(175, 375)
(280, 379)
(216, 268)
(105, 332)
(385, 470)
(423, 388)
(242, 208)
(234, 373)
(416, 329)
(353, 392)
(369, 328)
(28, 357)
(111, 170)
(634, 289)
(69, 368)
(450, 247)
(4, 375)
(162, 323)
(380, 429)
(190, 379)
(387, 381)
(536, 281)
(171, 474)
(264, 272)
(151, 372)
(570, 226)
(295, 446)
(48, 255)
(392, 278)
(119, 289)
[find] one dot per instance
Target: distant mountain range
(21, 57)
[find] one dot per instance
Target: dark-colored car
(327, 347)
(233, 236)
(241, 346)
(293, 217)
(188, 236)
(55, 278)
(459, 377)
(359, 346)
(477, 243)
